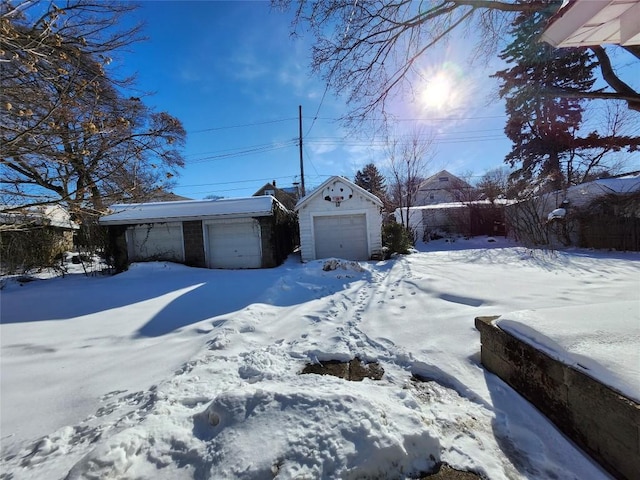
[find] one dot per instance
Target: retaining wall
(601, 421)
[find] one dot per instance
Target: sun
(440, 90)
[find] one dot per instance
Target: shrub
(396, 238)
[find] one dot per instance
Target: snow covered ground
(170, 372)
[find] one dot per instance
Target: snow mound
(352, 436)
(274, 432)
(336, 263)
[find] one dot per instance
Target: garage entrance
(341, 236)
(234, 244)
(158, 241)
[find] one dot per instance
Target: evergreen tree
(382, 44)
(549, 147)
(372, 181)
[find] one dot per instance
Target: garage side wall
(278, 236)
(355, 206)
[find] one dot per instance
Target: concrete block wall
(193, 243)
(601, 421)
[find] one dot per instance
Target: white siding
(233, 243)
(157, 241)
(358, 205)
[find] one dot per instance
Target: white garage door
(158, 241)
(341, 236)
(234, 244)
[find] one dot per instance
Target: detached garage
(254, 232)
(340, 219)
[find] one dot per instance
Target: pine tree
(371, 180)
(549, 146)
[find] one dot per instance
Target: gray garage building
(253, 232)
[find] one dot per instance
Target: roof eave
(317, 191)
(588, 23)
(136, 221)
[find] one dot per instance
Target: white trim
(356, 190)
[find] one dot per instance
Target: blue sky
(232, 73)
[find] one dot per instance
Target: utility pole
(302, 192)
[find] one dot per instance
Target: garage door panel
(234, 245)
(157, 242)
(341, 236)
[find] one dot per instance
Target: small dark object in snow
(353, 370)
(75, 259)
(490, 239)
(22, 279)
(445, 472)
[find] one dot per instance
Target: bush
(36, 248)
(396, 238)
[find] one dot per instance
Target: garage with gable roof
(342, 220)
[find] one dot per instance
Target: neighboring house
(443, 187)
(164, 196)
(446, 204)
(604, 213)
(287, 196)
(157, 195)
(480, 217)
(254, 232)
(340, 219)
(34, 236)
(50, 217)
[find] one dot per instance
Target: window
(270, 192)
(443, 179)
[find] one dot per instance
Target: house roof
(629, 183)
(443, 173)
(48, 215)
(581, 23)
(335, 178)
(474, 203)
(127, 214)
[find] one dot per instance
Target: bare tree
(408, 162)
(68, 133)
(494, 184)
(371, 50)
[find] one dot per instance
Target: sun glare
(441, 90)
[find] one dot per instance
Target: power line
(232, 154)
(326, 141)
(235, 182)
(316, 117)
(253, 124)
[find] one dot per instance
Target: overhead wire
(266, 122)
(328, 83)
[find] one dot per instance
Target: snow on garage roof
(126, 214)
